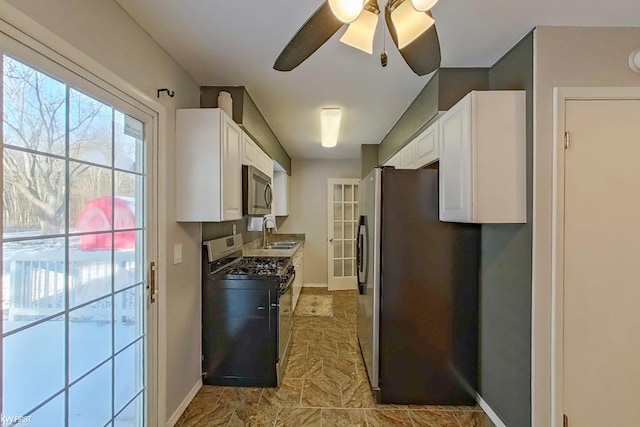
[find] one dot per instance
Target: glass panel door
(343, 229)
(74, 313)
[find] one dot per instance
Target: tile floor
(325, 384)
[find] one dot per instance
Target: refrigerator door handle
(362, 249)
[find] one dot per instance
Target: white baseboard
(490, 412)
(183, 406)
(314, 285)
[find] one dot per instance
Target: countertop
(286, 253)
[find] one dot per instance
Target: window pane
(90, 271)
(89, 337)
(337, 211)
(128, 137)
(129, 378)
(129, 318)
(90, 129)
(337, 268)
(33, 281)
(33, 194)
(50, 415)
(34, 109)
(90, 201)
(129, 201)
(33, 366)
(132, 416)
(90, 399)
(129, 256)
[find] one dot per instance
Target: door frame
(330, 183)
(560, 97)
(37, 40)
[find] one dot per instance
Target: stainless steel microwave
(257, 194)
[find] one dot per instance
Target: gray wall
(369, 157)
(247, 114)
(505, 280)
(446, 87)
(215, 230)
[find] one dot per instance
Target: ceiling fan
(410, 24)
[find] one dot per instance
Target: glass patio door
(75, 251)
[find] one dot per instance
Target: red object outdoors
(96, 215)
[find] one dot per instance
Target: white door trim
(18, 26)
(561, 96)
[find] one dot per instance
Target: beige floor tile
(343, 418)
(433, 419)
(240, 396)
(217, 415)
(324, 349)
(254, 416)
(304, 367)
(380, 418)
(287, 395)
(473, 419)
(306, 335)
(357, 394)
(348, 350)
(339, 369)
(337, 335)
(321, 393)
(299, 417)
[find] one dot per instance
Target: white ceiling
(236, 42)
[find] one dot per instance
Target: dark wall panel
(446, 87)
(247, 114)
(505, 280)
(369, 156)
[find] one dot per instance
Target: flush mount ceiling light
(423, 5)
(409, 24)
(346, 11)
(360, 32)
(411, 29)
(330, 126)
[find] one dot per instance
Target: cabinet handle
(261, 307)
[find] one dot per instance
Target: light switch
(177, 253)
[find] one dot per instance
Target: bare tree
(37, 117)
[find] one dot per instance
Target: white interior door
(77, 236)
(343, 214)
(601, 373)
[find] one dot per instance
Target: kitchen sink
(280, 245)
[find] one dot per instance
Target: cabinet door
(231, 171)
(408, 157)
(249, 156)
(427, 146)
(455, 163)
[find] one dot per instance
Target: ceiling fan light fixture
(423, 5)
(330, 126)
(346, 11)
(409, 24)
(361, 32)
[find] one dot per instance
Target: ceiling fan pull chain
(383, 56)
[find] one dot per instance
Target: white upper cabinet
(427, 147)
(408, 156)
(254, 156)
(280, 194)
(483, 160)
(209, 166)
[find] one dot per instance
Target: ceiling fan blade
(314, 33)
(423, 54)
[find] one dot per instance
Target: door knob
(330, 240)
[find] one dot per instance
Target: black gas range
(247, 315)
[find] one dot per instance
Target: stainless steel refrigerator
(418, 284)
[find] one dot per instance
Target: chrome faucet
(264, 231)
(265, 222)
